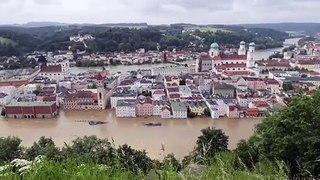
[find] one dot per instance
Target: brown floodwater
(178, 136)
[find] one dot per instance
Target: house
(272, 85)
(233, 111)
(31, 110)
(4, 99)
(185, 91)
(158, 94)
(222, 107)
(179, 110)
(197, 107)
(144, 106)
(223, 89)
(166, 112)
(252, 83)
(252, 112)
(126, 108)
(157, 107)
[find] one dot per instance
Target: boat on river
(93, 123)
(152, 124)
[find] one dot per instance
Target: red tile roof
(261, 104)
(48, 69)
(230, 57)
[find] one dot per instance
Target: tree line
(125, 39)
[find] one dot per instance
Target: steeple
(214, 50)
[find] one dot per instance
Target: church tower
(242, 49)
(101, 92)
(250, 55)
(214, 50)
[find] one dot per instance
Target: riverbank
(173, 133)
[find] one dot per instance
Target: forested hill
(308, 28)
(20, 40)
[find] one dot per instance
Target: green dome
(252, 44)
(214, 45)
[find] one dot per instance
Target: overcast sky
(160, 11)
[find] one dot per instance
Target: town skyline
(153, 12)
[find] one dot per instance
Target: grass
(6, 41)
(221, 167)
(212, 29)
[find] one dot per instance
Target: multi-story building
(252, 83)
(157, 106)
(223, 89)
(174, 70)
(223, 62)
(31, 110)
(52, 72)
(144, 106)
(126, 108)
(233, 111)
(81, 100)
(197, 107)
(122, 94)
(179, 110)
(166, 112)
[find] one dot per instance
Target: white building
(4, 99)
(65, 65)
(126, 108)
(29, 88)
(53, 72)
(174, 70)
(157, 107)
(215, 114)
(179, 110)
(185, 91)
(166, 112)
(222, 107)
(6, 94)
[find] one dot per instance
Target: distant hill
(18, 40)
(308, 28)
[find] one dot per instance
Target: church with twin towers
(217, 61)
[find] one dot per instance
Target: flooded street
(177, 135)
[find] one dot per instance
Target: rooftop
(29, 104)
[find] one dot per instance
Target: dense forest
(27, 40)
(286, 145)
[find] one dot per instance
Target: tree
(291, 135)
(210, 142)
(207, 112)
(45, 146)
(191, 114)
(37, 92)
(10, 149)
(3, 112)
(90, 149)
(171, 161)
(134, 160)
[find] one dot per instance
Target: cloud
(159, 12)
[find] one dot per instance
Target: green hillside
(6, 41)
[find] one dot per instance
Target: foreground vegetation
(285, 145)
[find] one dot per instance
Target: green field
(6, 41)
(212, 29)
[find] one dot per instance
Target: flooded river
(177, 135)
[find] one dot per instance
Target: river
(177, 135)
(260, 54)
